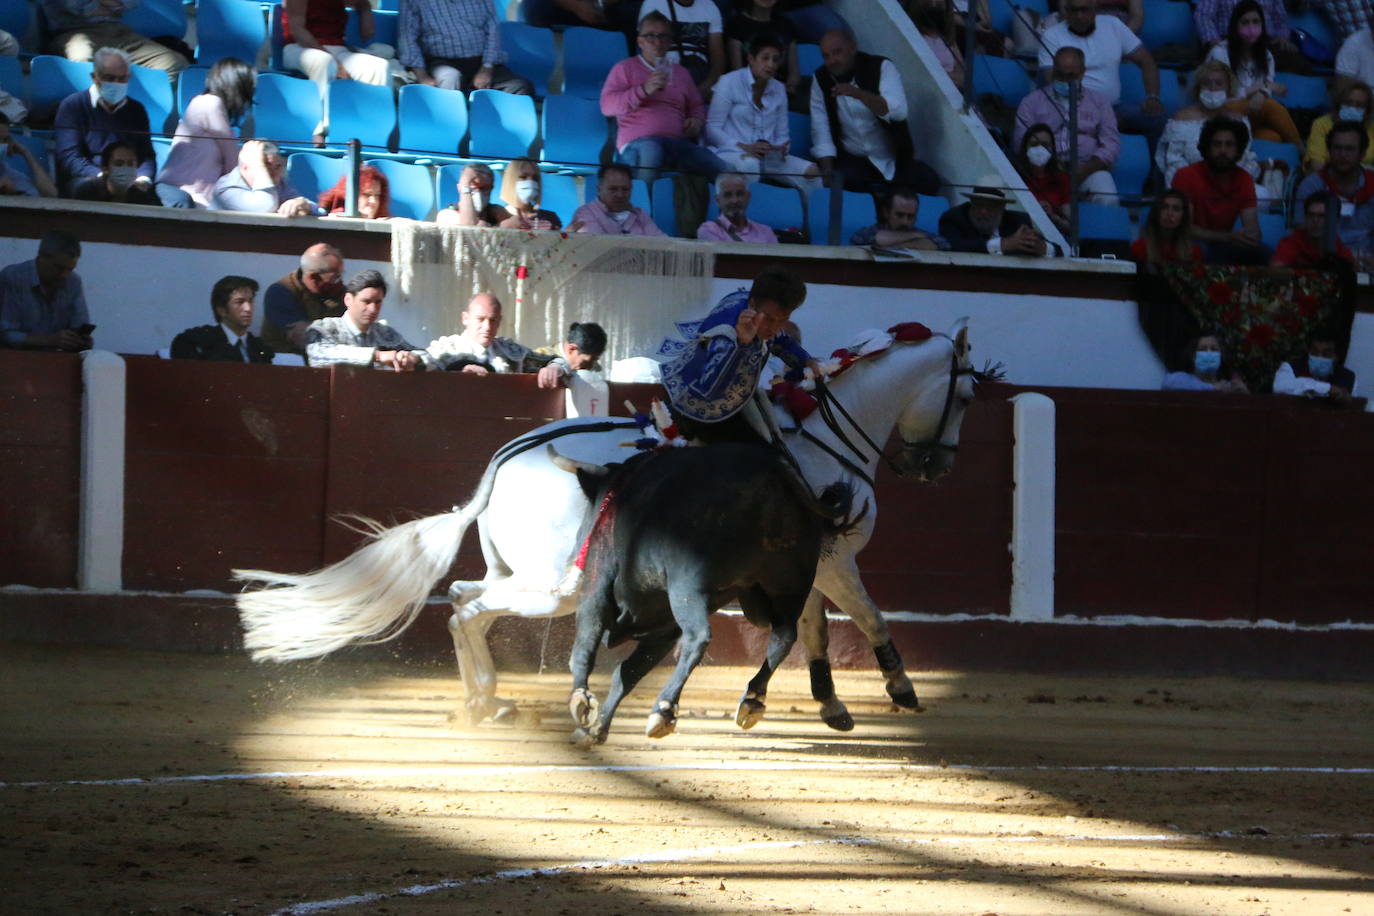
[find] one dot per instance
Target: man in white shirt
(1105, 42)
(478, 351)
(858, 120)
(228, 339)
(1355, 61)
(357, 338)
(698, 38)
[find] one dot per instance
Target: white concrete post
(588, 395)
(101, 557)
(1032, 508)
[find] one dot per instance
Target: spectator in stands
(522, 186)
(658, 111)
(612, 213)
(228, 339)
(1210, 370)
(1220, 192)
(12, 108)
(1246, 52)
(756, 17)
(357, 338)
(15, 182)
(78, 27)
(42, 305)
(896, 226)
(259, 185)
(1179, 147)
(746, 125)
(1354, 102)
(1352, 184)
(310, 292)
(858, 120)
(1213, 19)
(205, 147)
(613, 15)
(314, 34)
(1099, 143)
(455, 44)
(374, 195)
(474, 206)
(1304, 246)
(934, 19)
(1355, 60)
(1043, 174)
(580, 351)
(698, 38)
(86, 122)
(985, 225)
(733, 223)
(1131, 12)
(1105, 42)
(1321, 373)
(1167, 236)
(478, 351)
(118, 179)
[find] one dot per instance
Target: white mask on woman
(527, 191)
(1038, 155)
(1212, 99)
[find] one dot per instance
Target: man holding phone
(42, 305)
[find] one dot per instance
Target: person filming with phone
(42, 306)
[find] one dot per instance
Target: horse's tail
(370, 596)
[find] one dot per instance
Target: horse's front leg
(814, 630)
(837, 578)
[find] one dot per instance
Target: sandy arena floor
(146, 782)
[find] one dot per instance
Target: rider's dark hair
(780, 285)
(365, 280)
(588, 336)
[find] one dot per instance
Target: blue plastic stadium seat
(286, 109)
(157, 19)
(1273, 227)
(161, 147)
(1167, 22)
(503, 126)
(1285, 152)
(928, 213)
(1317, 27)
(384, 25)
(15, 18)
(1133, 88)
(363, 112)
(52, 79)
(1132, 166)
(432, 120)
(229, 28)
(575, 132)
(799, 129)
(560, 195)
(1304, 91)
(154, 89)
(312, 174)
(1096, 221)
(857, 211)
(808, 59)
(529, 52)
(412, 188)
(1001, 76)
(664, 210)
(190, 83)
(12, 77)
(588, 56)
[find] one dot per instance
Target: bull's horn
(572, 466)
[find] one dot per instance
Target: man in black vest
(228, 339)
(858, 120)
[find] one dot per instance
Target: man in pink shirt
(733, 224)
(658, 111)
(612, 213)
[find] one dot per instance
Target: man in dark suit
(986, 226)
(228, 340)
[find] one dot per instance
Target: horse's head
(929, 424)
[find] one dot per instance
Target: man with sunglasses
(309, 293)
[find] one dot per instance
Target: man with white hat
(986, 226)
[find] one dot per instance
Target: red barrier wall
(40, 467)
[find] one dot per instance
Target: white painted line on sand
(703, 766)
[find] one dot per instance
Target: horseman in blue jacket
(713, 383)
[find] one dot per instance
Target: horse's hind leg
(839, 581)
(815, 635)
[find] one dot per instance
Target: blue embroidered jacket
(714, 376)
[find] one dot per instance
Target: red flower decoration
(1260, 336)
(1220, 293)
(1230, 317)
(1309, 304)
(1290, 324)
(1199, 271)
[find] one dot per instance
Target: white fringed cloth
(633, 286)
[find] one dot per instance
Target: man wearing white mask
(1099, 141)
(1320, 374)
(87, 122)
(478, 351)
(119, 174)
(474, 206)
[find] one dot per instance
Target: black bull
(682, 533)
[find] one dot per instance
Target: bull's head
(591, 477)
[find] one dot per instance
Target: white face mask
(1349, 113)
(113, 93)
(1212, 98)
(479, 199)
(527, 191)
(1038, 155)
(122, 176)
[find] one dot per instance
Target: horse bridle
(915, 454)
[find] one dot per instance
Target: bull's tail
(370, 596)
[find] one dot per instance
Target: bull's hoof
(662, 721)
(750, 711)
(583, 706)
(837, 716)
(495, 709)
(587, 738)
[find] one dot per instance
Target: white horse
(528, 513)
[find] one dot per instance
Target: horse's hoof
(906, 699)
(499, 711)
(583, 706)
(662, 721)
(749, 713)
(840, 720)
(586, 738)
